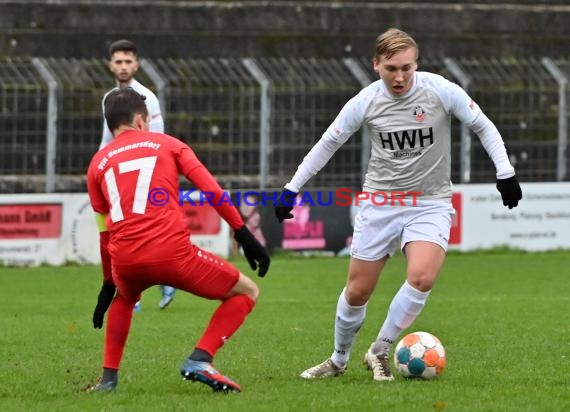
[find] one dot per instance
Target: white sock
(404, 309)
(348, 321)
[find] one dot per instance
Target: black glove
(254, 252)
(510, 191)
(284, 205)
(104, 300)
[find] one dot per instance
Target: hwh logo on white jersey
(406, 139)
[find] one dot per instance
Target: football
(420, 355)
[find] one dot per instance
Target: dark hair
(123, 45)
(121, 107)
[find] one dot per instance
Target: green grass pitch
(504, 319)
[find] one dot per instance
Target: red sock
(225, 321)
(119, 320)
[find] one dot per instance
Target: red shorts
(201, 273)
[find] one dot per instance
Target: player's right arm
(348, 121)
(107, 136)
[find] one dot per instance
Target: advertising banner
(540, 222)
(316, 226)
(59, 228)
(32, 229)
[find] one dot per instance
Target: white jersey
(152, 105)
(411, 137)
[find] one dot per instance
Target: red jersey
(120, 179)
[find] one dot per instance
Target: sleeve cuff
(505, 174)
(292, 188)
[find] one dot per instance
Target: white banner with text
(540, 222)
(59, 228)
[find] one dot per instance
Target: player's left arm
(100, 206)
(156, 120)
(207, 184)
(468, 112)
(104, 238)
(101, 209)
(201, 177)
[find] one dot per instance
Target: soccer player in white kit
(124, 63)
(408, 113)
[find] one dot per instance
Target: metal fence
(214, 106)
(251, 121)
(306, 95)
(23, 120)
(520, 96)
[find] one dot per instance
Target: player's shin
(404, 309)
(225, 321)
(118, 326)
(348, 321)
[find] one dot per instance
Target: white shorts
(377, 229)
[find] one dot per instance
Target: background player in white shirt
(124, 63)
(409, 116)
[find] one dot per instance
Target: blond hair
(393, 41)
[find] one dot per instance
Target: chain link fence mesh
(215, 106)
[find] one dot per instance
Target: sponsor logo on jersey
(407, 139)
(400, 154)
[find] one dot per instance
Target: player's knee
(356, 296)
(249, 287)
(421, 281)
(253, 291)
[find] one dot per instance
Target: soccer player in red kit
(149, 244)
